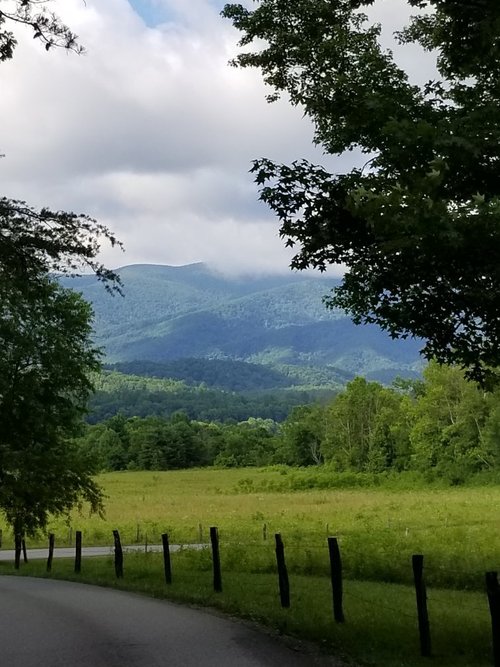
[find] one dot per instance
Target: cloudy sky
(152, 132)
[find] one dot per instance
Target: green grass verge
(379, 528)
(380, 628)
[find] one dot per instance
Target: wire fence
(311, 558)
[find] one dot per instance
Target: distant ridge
(174, 313)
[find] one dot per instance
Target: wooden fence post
(51, 551)
(1, 537)
(17, 550)
(78, 551)
(166, 558)
(282, 571)
(200, 533)
(118, 555)
(423, 616)
(25, 553)
(336, 578)
(264, 532)
(493, 591)
(214, 539)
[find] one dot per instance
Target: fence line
(330, 548)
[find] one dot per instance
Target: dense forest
(134, 396)
(442, 425)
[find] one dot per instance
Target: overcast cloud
(153, 133)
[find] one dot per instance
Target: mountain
(191, 312)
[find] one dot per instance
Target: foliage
(46, 354)
(448, 422)
(156, 443)
(135, 396)
(302, 433)
(441, 426)
(359, 436)
(34, 242)
(220, 373)
(46, 27)
(417, 227)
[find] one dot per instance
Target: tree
(417, 227)
(362, 427)
(46, 358)
(35, 15)
(449, 423)
(46, 355)
(46, 351)
(302, 434)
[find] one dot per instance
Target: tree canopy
(418, 226)
(442, 427)
(46, 355)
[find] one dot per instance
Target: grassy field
(379, 528)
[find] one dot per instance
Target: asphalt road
(64, 624)
(69, 552)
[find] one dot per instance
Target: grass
(457, 529)
(380, 626)
(379, 528)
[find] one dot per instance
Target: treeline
(157, 443)
(134, 396)
(441, 425)
(231, 375)
(221, 373)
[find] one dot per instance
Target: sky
(153, 133)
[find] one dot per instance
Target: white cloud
(152, 132)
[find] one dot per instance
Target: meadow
(379, 527)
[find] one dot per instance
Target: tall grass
(379, 527)
(380, 524)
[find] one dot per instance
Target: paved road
(69, 552)
(64, 624)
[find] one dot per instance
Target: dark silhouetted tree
(418, 227)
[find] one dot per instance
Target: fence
(336, 574)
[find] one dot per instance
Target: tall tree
(46, 355)
(362, 427)
(46, 351)
(418, 227)
(449, 424)
(302, 435)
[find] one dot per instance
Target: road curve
(65, 624)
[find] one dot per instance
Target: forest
(137, 396)
(440, 426)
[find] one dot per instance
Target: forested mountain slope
(176, 313)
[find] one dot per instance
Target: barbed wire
(340, 532)
(379, 605)
(443, 603)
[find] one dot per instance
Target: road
(65, 624)
(69, 552)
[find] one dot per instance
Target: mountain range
(173, 313)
